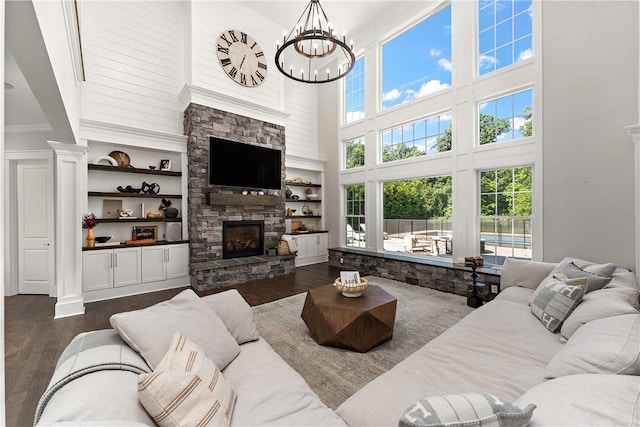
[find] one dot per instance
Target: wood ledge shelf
(220, 199)
(108, 168)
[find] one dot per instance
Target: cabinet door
(177, 261)
(153, 263)
(301, 243)
(97, 270)
(322, 244)
(127, 267)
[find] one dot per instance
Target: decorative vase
(91, 240)
(170, 212)
(288, 193)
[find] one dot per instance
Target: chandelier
(311, 46)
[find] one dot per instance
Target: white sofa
(587, 373)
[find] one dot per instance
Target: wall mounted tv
(235, 164)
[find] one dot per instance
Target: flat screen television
(235, 164)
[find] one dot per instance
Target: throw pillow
(606, 269)
(186, 389)
(555, 300)
(602, 303)
(236, 314)
(466, 409)
(149, 331)
(527, 274)
(604, 346)
(595, 281)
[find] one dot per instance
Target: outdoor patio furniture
(414, 242)
(354, 235)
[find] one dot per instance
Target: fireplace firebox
(242, 239)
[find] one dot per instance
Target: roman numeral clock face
(242, 58)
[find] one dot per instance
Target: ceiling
(22, 108)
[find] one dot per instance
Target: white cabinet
(312, 248)
(165, 262)
(108, 268)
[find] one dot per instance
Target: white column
(2, 213)
(70, 191)
(634, 132)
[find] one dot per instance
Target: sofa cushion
(149, 331)
(527, 274)
(606, 269)
(584, 400)
(554, 300)
(604, 346)
(235, 313)
(625, 279)
(515, 294)
(594, 281)
(186, 389)
(465, 409)
(601, 303)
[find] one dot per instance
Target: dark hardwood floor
(34, 340)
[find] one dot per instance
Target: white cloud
(446, 117)
(445, 64)
(430, 87)
(352, 116)
(486, 61)
(518, 122)
(483, 105)
(392, 95)
(525, 54)
(435, 52)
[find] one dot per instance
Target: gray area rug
(335, 374)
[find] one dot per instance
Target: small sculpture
(169, 212)
(150, 188)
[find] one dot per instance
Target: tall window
(505, 214)
(355, 229)
(354, 155)
(417, 215)
(505, 33)
(417, 62)
(354, 92)
(506, 118)
(425, 136)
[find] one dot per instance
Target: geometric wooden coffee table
(357, 324)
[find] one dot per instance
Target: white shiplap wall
(133, 62)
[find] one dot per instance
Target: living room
(146, 63)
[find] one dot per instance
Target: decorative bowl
(351, 290)
(312, 196)
(103, 239)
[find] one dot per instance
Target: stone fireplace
(242, 238)
(210, 207)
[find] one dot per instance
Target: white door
(35, 218)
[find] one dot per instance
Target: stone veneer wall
(447, 279)
(208, 270)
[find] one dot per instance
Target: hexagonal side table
(357, 324)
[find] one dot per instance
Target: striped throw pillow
(465, 410)
(186, 389)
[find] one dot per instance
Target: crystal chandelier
(311, 46)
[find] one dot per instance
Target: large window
(505, 213)
(417, 216)
(354, 92)
(425, 136)
(417, 62)
(507, 118)
(354, 153)
(355, 229)
(505, 33)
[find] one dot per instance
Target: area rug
(335, 374)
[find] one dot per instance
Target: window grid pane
(505, 30)
(506, 213)
(409, 140)
(354, 92)
(507, 118)
(355, 215)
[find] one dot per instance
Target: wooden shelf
(304, 200)
(302, 216)
(138, 195)
(295, 184)
(122, 221)
(107, 168)
(223, 199)
(119, 245)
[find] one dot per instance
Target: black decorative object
(150, 188)
(169, 212)
(287, 192)
(128, 189)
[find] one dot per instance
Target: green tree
(399, 152)
(422, 198)
(444, 142)
(527, 128)
(490, 128)
(355, 154)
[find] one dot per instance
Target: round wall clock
(241, 58)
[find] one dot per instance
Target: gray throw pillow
(595, 281)
(554, 301)
(465, 409)
(236, 314)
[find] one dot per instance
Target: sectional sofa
(560, 345)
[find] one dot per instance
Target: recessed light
(8, 86)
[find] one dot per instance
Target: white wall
(590, 75)
(132, 52)
(2, 226)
